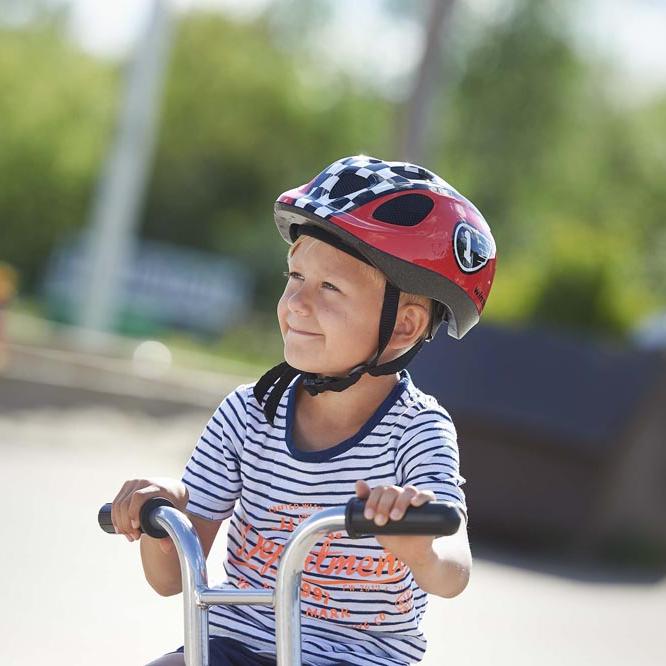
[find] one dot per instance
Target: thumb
(362, 489)
(166, 545)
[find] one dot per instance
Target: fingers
(127, 505)
(423, 497)
(386, 503)
(403, 502)
(137, 500)
(119, 515)
(362, 489)
(373, 500)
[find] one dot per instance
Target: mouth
(303, 333)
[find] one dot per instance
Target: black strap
(267, 380)
(387, 318)
(396, 364)
(270, 408)
(282, 374)
(314, 384)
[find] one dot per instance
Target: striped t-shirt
(359, 603)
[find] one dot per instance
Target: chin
(302, 363)
(305, 363)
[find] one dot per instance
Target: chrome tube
(214, 596)
(194, 578)
(288, 582)
(197, 596)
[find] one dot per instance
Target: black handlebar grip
(433, 518)
(104, 519)
(147, 526)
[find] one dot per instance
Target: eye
(298, 276)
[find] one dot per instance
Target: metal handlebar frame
(198, 597)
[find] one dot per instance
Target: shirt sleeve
(427, 457)
(212, 474)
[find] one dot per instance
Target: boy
(376, 246)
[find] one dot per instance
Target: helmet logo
(471, 247)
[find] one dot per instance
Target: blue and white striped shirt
(360, 604)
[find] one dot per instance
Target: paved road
(72, 595)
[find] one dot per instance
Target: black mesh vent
(419, 174)
(348, 183)
(406, 211)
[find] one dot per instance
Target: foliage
(57, 110)
(534, 139)
(570, 180)
(240, 125)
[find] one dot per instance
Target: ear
(411, 323)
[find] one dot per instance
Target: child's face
(329, 311)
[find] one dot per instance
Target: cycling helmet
(423, 235)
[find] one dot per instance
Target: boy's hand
(134, 494)
(385, 503)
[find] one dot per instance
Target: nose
(298, 301)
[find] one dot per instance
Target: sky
(628, 33)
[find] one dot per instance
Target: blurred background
(142, 145)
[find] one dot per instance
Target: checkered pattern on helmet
(381, 179)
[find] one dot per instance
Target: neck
(350, 408)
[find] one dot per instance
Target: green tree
(534, 139)
(242, 122)
(57, 110)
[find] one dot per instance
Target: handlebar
(146, 518)
(433, 518)
(159, 518)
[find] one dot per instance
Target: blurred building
(163, 286)
(562, 441)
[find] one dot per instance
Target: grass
(248, 349)
(251, 347)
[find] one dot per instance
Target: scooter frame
(159, 518)
(285, 598)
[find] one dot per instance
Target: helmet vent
(405, 211)
(414, 173)
(348, 183)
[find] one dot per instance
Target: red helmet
(423, 235)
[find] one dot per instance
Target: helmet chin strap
(277, 379)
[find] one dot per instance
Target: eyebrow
(333, 275)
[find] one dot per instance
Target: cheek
(282, 312)
(362, 332)
(362, 324)
(353, 331)
(332, 316)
